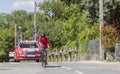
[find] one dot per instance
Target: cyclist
(44, 44)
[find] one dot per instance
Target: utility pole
(15, 34)
(35, 29)
(20, 33)
(100, 26)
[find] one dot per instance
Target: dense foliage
(110, 36)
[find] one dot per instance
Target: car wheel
(37, 60)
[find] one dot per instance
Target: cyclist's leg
(46, 56)
(43, 58)
(42, 54)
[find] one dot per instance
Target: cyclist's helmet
(43, 35)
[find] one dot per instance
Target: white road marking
(79, 72)
(14, 63)
(66, 68)
(0, 63)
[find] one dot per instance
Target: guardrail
(60, 55)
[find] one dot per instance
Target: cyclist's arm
(41, 43)
(48, 43)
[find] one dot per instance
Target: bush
(110, 36)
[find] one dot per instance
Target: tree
(6, 41)
(52, 8)
(24, 20)
(110, 36)
(111, 11)
(6, 20)
(69, 2)
(112, 14)
(19, 17)
(67, 26)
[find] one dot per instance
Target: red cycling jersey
(44, 42)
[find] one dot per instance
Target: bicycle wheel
(43, 62)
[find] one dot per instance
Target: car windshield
(22, 45)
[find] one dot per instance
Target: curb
(99, 62)
(92, 62)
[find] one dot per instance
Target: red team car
(27, 50)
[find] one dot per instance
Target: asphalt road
(60, 68)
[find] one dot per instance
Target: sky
(7, 6)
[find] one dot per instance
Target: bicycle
(44, 57)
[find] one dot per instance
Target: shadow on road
(52, 66)
(5, 69)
